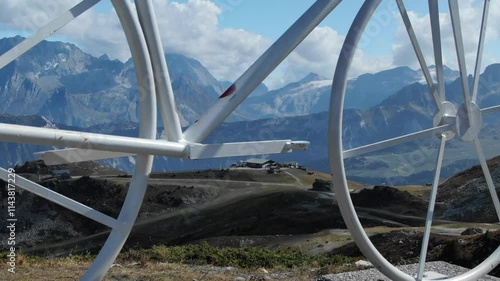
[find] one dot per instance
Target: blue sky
(260, 16)
(228, 35)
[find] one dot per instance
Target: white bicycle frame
(151, 69)
(177, 144)
(155, 91)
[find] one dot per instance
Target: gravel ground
(375, 275)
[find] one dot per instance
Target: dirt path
(210, 182)
(384, 215)
(221, 182)
(299, 182)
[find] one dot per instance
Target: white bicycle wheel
(463, 122)
(138, 43)
(154, 84)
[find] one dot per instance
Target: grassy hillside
(242, 218)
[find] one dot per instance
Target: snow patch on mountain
(316, 84)
(449, 75)
(49, 124)
(131, 159)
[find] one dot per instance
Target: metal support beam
(59, 199)
(164, 92)
(251, 79)
(201, 151)
(192, 151)
(147, 130)
(45, 32)
(75, 155)
(62, 138)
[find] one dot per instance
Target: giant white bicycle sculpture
(151, 69)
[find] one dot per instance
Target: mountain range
(312, 93)
(68, 86)
(58, 85)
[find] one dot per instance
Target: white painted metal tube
(164, 92)
(59, 199)
(395, 141)
(75, 155)
(208, 151)
(418, 52)
(249, 81)
(147, 130)
(436, 44)
(490, 110)
(45, 32)
(192, 150)
(487, 175)
(335, 146)
(480, 47)
(430, 211)
(74, 139)
(337, 164)
(459, 46)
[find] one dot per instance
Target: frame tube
(336, 152)
(59, 199)
(45, 32)
(247, 82)
(55, 137)
(144, 162)
(164, 92)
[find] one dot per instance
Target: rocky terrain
(61, 82)
(466, 194)
(403, 247)
(248, 207)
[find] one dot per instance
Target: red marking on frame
(228, 92)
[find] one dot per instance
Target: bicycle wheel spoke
(45, 32)
(59, 199)
(418, 52)
(449, 114)
(490, 110)
(480, 48)
(459, 46)
(436, 43)
(430, 210)
(487, 175)
(394, 141)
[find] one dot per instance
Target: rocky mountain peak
(86, 90)
(311, 77)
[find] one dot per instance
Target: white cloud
(317, 53)
(189, 28)
(27, 16)
(95, 32)
(192, 28)
(470, 15)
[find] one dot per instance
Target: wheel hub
(469, 124)
(466, 125)
(446, 115)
